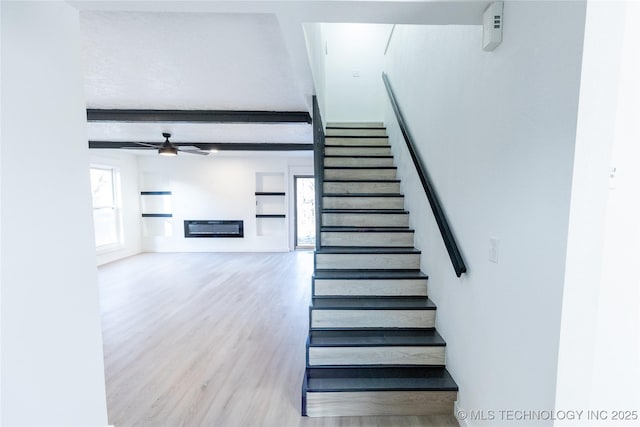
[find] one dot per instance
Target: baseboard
(457, 410)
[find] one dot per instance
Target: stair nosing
(357, 136)
(358, 145)
(376, 328)
(391, 228)
(344, 301)
(374, 228)
(363, 195)
(342, 127)
(359, 274)
(358, 181)
(330, 229)
(377, 365)
(367, 211)
(359, 156)
(360, 167)
(376, 250)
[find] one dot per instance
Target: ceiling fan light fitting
(167, 149)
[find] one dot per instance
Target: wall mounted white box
(492, 26)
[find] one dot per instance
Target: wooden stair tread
(356, 136)
(355, 125)
(367, 229)
(357, 146)
(366, 250)
(360, 167)
(366, 211)
(351, 155)
(362, 194)
(360, 156)
(358, 181)
(379, 379)
(359, 127)
(375, 338)
(372, 303)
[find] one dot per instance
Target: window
(106, 206)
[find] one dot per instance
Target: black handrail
(436, 208)
(318, 166)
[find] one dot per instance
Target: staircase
(372, 347)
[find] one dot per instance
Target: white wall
(354, 61)
(497, 133)
(1, 258)
(315, 42)
(127, 166)
(599, 360)
(52, 362)
(220, 187)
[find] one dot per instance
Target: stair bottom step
(377, 403)
(377, 391)
(378, 379)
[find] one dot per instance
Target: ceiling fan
(168, 149)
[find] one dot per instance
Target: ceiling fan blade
(200, 152)
(144, 144)
(192, 149)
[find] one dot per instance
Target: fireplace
(214, 228)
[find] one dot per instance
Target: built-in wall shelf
(270, 203)
(155, 193)
(155, 209)
(270, 193)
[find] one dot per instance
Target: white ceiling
(189, 61)
(194, 61)
(220, 55)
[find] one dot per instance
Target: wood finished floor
(208, 339)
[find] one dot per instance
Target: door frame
(295, 211)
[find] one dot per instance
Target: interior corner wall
(601, 301)
(354, 61)
(52, 360)
(497, 132)
(221, 187)
(315, 41)
(127, 166)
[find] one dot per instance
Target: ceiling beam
(220, 146)
(197, 116)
